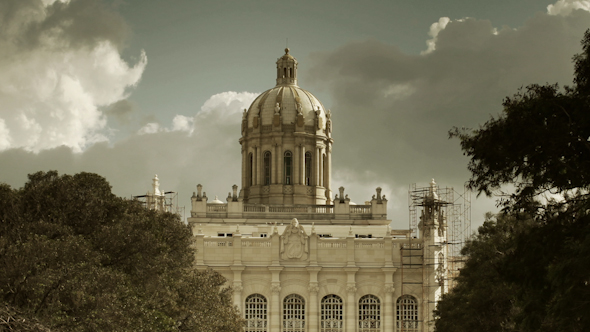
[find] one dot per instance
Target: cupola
(286, 143)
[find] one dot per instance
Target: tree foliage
(540, 278)
(74, 257)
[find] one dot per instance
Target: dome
(288, 100)
(216, 201)
(286, 143)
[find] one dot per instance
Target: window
(294, 313)
(308, 169)
(288, 167)
(267, 168)
(255, 313)
(331, 314)
(407, 313)
(369, 314)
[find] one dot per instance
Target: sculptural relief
(294, 241)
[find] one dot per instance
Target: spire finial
(287, 50)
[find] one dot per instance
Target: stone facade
(300, 259)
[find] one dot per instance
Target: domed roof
(289, 99)
(286, 98)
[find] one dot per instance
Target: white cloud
(435, 28)
(565, 7)
(183, 123)
(55, 79)
(220, 109)
(226, 105)
(150, 128)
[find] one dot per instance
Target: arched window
(288, 167)
(308, 168)
(331, 314)
(294, 313)
(250, 169)
(284, 72)
(267, 168)
(407, 313)
(255, 313)
(290, 72)
(369, 314)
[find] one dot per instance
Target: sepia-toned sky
(131, 88)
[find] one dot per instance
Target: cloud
(121, 110)
(60, 64)
(435, 28)
(565, 7)
(223, 108)
(392, 110)
(209, 154)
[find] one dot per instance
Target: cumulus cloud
(203, 149)
(565, 7)
(435, 28)
(61, 64)
(400, 106)
(220, 109)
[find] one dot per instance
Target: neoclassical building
(301, 257)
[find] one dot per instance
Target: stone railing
(360, 209)
(218, 242)
(255, 242)
(216, 207)
(415, 245)
(369, 244)
(331, 243)
(286, 212)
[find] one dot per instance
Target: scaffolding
(422, 271)
(167, 202)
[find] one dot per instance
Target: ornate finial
(313, 228)
(275, 230)
(287, 50)
(200, 231)
(350, 231)
(237, 229)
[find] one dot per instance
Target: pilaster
(275, 301)
(351, 299)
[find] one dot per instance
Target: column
(318, 160)
(274, 164)
(313, 311)
(328, 175)
(237, 286)
(280, 164)
(351, 304)
(244, 164)
(302, 163)
(275, 300)
(256, 165)
(296, 166)
(388, 310)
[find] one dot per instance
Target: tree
(77, 258)
(540, 144)
(483, 297)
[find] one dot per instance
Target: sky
(132, 88)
